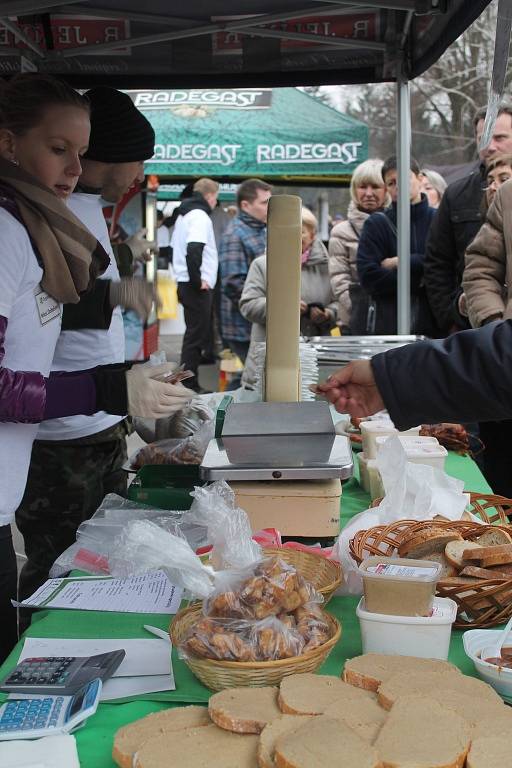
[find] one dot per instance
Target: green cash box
(165, 486)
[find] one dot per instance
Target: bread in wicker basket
(217, 675)
(481, 604)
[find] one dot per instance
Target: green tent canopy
(270, 133)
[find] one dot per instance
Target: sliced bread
(197, 748)
(499, 558)
(490, 752)
(324, 743)
(427, 542)
(464, 705)
(130, 738)
(419, 733)
(454, 551)
(311, 694)
(244, 710)
(371, 669)
(484, 573)
(493, 723)
(494, 537)
(447, 569)
(270, 734)
(422, 682)
(364, 716)
(484, 553)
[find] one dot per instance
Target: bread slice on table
(419, 733)
(464, 705)
(422, 682)
(454, 551)
(270, 734)
(324, 743)
(493, 538)
(372, 669)
(198, 748)
(490, 752)
(311, 694)
(427, 542)
(244, 710)
(130, 738)
(493, 723)
(364, 716)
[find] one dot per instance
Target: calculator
(31, 717)
(60, 674)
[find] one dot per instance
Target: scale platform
(278, 441)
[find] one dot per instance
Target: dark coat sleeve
(375, 245)
(440, 269)
(466, 377)
(92, 311)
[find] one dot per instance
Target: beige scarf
(72, 257)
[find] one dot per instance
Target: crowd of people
(65, 388)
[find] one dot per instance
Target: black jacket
(464, 378)
(454, 226)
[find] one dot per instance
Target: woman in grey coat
(318, 306)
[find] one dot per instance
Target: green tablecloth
(95, 739)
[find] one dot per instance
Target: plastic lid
(400, 569)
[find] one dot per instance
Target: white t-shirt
(33, 328)
(195, 227)
(163, 236)
(84, 349)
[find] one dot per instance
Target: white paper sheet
(147, 593)
(121, 687)
(48, 752)
(143, 656)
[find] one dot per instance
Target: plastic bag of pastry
(241, 640)
(312, 626)
(228, 527)
(270, 587)
(188, 451)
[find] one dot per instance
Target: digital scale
(282, 457)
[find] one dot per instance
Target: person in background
(195, 264)
(487, 285)
(163, 239)
(458, 219)
(434, 186)
(367, 195)
(244, 239)
(77, 460)
(317, 304)
(377, 260)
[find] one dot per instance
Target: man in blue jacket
(377, 260)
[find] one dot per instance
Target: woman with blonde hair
(433, 186)
(368, 195)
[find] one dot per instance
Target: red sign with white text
(71, 32)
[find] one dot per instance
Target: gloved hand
(152, 399)
(133, 293)
(139, 246)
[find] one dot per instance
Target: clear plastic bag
(267, 588)
(188, 451)
(238, 640)
(228, 527)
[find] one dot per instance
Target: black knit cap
(119, 132)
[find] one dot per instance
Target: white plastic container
(474, 641)
(427, 637)
(369, 477)
(432, 455)
(409, 441)
(370, 431)
(398, 586)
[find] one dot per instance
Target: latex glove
(140, 246)
(153, 399)
(133, 293)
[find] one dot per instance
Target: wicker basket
(325, 575)
(488, 507)
(480, 605)
(217, 675)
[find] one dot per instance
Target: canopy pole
(403, 151)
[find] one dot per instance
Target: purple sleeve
(26, 397)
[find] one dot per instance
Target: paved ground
(208, 377)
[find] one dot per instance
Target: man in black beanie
(78, 460)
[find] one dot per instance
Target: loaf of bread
(324, 743)
(372, 669)
(244, 710)
(426, 542)
(130, 738)
(420, 733)
(311, 694)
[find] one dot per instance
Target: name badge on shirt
(48, 308)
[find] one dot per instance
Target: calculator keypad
(41, 671)
(31, 714)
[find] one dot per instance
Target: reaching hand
(133, 293)
(153, 399)
(391, 263)
(140, 246)
(353, 390)
(204, 286)
(319, 316)
(303, 307)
